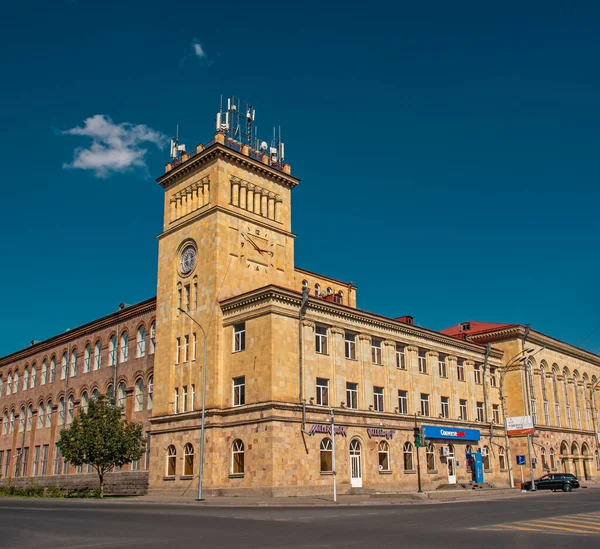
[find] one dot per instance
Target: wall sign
(387, 433)
(326, 430)
(450, 433)
(521, 425)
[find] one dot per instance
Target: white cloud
(115, 148)
(198, 50)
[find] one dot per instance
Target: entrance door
(355, 464)
(451, 461)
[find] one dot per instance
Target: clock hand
(255, 246)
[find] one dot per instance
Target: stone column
(263, 203)
(173, 209)
(243, 195)
(278, 205)
(250, 200)
(205, 192)
(235, 192)
(271, 206)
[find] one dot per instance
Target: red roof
(471, 327)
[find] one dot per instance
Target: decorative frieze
(255, 199)
(190, 199)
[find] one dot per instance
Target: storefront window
(485, 458)
(430, 454)
(326, 456)
(408, 457)
(384, 456)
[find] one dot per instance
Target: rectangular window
(178, 351)
(187, 297)
(424, 404)
(496, 413)
(185, 398)
(192, 397)
(57, 461)
(422, 361)
(186, 345)
(400, 359)
(547, 414)
(195, 295)
(322, 391)
(179, 298)
(7, 465)
(352, 395)
(480, 411)
(239, 337)
(493, 380)
(463, 410)
(18, 457)
(350, 346)
(442, 366)
(135, 465)
(1, 461)
(403, 402)
(239, 391)
(445, 407)
(378, 399)
(460, 369)
(176, 401)
(376, 351)
(44, 465)
(321, 340)
(194, 346)
(36, 461)
(557, 414)
(477, 372)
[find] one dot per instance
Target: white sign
(521, 425)
(598, 439)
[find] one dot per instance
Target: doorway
(451, 461)
(355, 464)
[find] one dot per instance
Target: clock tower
(227, 230)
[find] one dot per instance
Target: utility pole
(418, 440)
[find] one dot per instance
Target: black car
(554, 481)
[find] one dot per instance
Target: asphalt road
(513, 522)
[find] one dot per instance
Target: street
(529, 520)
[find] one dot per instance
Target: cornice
(217, 150)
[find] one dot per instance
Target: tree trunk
(101, 476)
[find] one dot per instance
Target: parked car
(554, 481)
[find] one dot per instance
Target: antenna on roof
(176, 148)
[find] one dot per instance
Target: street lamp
(201, 469)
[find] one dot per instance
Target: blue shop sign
(450, 433)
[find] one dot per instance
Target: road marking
(581, 524)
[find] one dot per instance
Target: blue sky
(448, 153)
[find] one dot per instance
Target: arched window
(502, 458)
(139, 395)
(383, 449)
(110, 392)
(567, 403)
(112, 350)
(5, 423)
(85, 400)
(33, 380)
(95, 394)
(22, 419)
(552, 462)
(152, 337)
(124, 354)
(70, 409)
(44, 372)
(188, 460)
(533, 402)
(29, 423)
(61, 411)
(468, 450)
(13, 419)
(122, 395)
(408, 456)
(237, 457)
(49, 414)
(74, 363)
(97, 355)
(150, 391)
(317, 290)
(577, 403)
(430, 456)
(16, 382)
(141, 342)
(485, 458)
(26, 379)
(9, 383)
(1, 385)
(326, 456)
(544, 461)
(87, 358)
(53, 369)
(556, 397)
(41, 415)
(171, 461)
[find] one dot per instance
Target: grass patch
(48, 492)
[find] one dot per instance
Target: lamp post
(201, 465)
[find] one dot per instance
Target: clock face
(188, 259)
(257, 248)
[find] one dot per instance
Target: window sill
(385, 472)
(411, 472)
(432, 471)
(324, 354)
(186, 477)
(236, 475)
(327, 473)
(235, 352)
(169, 478)
(353, 359)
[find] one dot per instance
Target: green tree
(101, 437)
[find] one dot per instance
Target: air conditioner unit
(444, 451)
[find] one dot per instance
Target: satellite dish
(264, 146)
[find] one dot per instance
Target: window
(194, 346)
(402, 402)
(407, 451)
(141, 342)
(552, 462)
(13, 419)
(188, 460)
(122, 394)
(176, 400)
(493, 380)
(352, 395)
(322, 392)
(9, 384)
(139, 395)
(502, 458)
(5, 423)
(195, 293)
(73, 363)
(477, 372)
(44, 372)
(1, 460)
(186, 346)
(16, 382)
(87, 359)
(317, 290)
(239, 337)
(178, 350)
(430, 455)
(112, 350)
(480, 411)
(1, 385)
(25, 460)
(150, 391)
(424, 404)
(192, 396)
(239, 391)
(185, 398)
(321, 340)
(22, 419)
(350, 346)
(422, 361)
(186, 293)
(61, 411)
(339, 297)
(85, 400)
(485, 458)
(442, 366)
(171, 461)
(124, 355)
(26, 380)
(152, 337)
(110, 392)
(49, 414)
(378, 399)
(179, 297)
(70, 409)
(237, 457)
(29, 423)
(383, 449)
(460, 369)
(33, 379)
(97, 355)
(36, 461)
(7, 466)
(495, 413)
(445, 407)
(400, 358)
(41, 415)
(544, 461)
(326, 455)
(462, 409)
(376, 351)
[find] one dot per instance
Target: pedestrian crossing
(579, 524)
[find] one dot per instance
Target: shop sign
(431, 431)
(387, 433)
(326, 430)
(520, 425)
